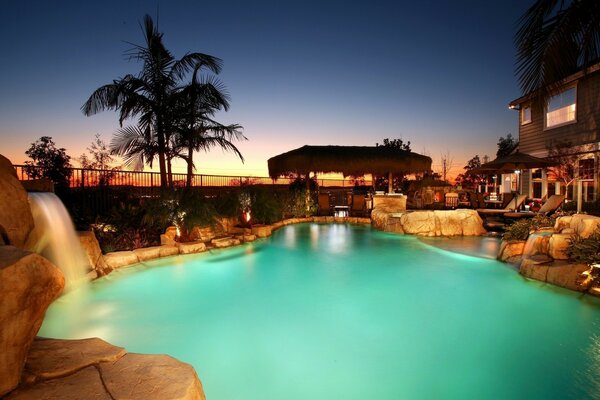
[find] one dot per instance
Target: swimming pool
(343, 312)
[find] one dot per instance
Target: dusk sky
(437, 73)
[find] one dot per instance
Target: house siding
(533, 139)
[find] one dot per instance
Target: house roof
(569, 79)
(348, 160)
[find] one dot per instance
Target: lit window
(525, 115)
(561, 108)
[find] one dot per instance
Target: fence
(94, 192)
(86, 178)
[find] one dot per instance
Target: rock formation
(459, 222)
(16, 221)
(28, 284)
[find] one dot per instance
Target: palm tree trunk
(190, 166)
(169, 172)
(160, 138)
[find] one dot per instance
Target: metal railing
(84, 178)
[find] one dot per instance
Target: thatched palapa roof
(348, 160)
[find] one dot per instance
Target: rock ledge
(94, 369)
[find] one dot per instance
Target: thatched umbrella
(348, 160)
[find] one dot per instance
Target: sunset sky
(437, 73)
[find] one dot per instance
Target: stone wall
(459, 222)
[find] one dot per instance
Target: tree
(99, 159)
(556, 38)
(48, 161)
(466, 179)
(566, 156)
(446, 161)
(195, 106)
(506, 146)
(148, 94)
(383, 182)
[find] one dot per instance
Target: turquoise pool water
(344, 312)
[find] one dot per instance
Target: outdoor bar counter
(394, 201)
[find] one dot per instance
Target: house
(570, 115)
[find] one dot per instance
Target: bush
(294, 204)
(126, 228)
(520, 229)
(585, 250)
(264, 205)
(184, 208)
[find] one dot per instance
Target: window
(586, 169)
(525, 115)
(561, 108)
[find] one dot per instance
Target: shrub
(590, 207)
(184, 208)
(294, 203)
(126, 228)
(520, 229)
(585, 250)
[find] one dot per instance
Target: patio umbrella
(512, 163)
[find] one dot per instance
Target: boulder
(536, 244)
(166, 251)
(203, 234)
(459, 222)
(28, 284)
(419, 223)
(151, 377)
(262, 231)
(6, 167)
(191, 247)
(562, 223)
(566, 275)
(511, 251)
(557, 246)
(225, 242)
(587, 225)
(91, 248)
(55, 358)
(531, 268)
(246, 238)
(94, 369)
(16, 221)
(147, 253)
(120, 259)
(84, 384)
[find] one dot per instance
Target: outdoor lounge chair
(324, 204)
(548, 208)
(514, 204)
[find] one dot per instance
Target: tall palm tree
(556, 38)
(147, 94)
(196, 104)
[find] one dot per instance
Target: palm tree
(556, 38)
(147, 95)
(196, 104)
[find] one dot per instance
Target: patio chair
(324, 204)
(549, 207)
(506, 199)
(451, 200)
(359, 205)
(514, 204)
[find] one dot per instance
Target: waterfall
(537, 243)
(54, 237)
